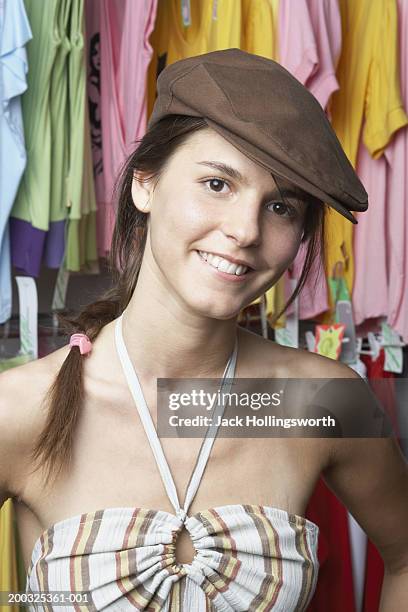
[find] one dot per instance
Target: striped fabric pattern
(247, 557)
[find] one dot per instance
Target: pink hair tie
(81, 340)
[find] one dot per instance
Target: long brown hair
(53, 449)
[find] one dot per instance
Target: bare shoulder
(273, 359)
(22, 416)
(312, 365)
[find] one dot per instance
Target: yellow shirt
(225, 26)
(258, 32)
(8, 553)
(215, 25)
(274, 5)
(369, 90)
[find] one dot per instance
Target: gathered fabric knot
(182, 514)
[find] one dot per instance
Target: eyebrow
(229, 170)
(279, 190)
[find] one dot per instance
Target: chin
(220, 311)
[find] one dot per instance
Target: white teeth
(214, 260)
(223, 264)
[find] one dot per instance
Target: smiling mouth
(223, 265)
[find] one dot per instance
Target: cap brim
(276, 167)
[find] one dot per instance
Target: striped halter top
(247, 557)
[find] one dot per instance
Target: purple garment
(30, 247)
(54, 247)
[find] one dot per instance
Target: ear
(142, 190)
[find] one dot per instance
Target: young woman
(213, 206)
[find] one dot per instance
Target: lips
(225, 276)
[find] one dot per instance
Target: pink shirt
(381, 238)
(326, 21)
(297, 43)
(397, 199)
(125, 27)
(369, 241)
(309, 47)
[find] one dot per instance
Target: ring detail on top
(81, 340)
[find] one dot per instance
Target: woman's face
(212, 205)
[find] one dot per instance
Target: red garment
(373, 579)
(385, 391)
(335, 588)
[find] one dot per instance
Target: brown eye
(216, 185)
(282, 209)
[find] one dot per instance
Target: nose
(242, 223)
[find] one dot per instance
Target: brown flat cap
(260, 108)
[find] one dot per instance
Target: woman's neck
(170, 343)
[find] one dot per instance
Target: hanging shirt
(87, 236)
(214, 25)
(33, 198)
(397, 200)
(326, 22)
(30, 215)
(297, 44)
(258, 34)
(189, 40)
(30, 244)
(15, 33)
(66, 134)
(80, 192)
(77, 105)
(59, 116)
(370, 298)
(125, 28)
(380, 239)
(274, 6)
(31, 247)
(369, 88)
(225, 28)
